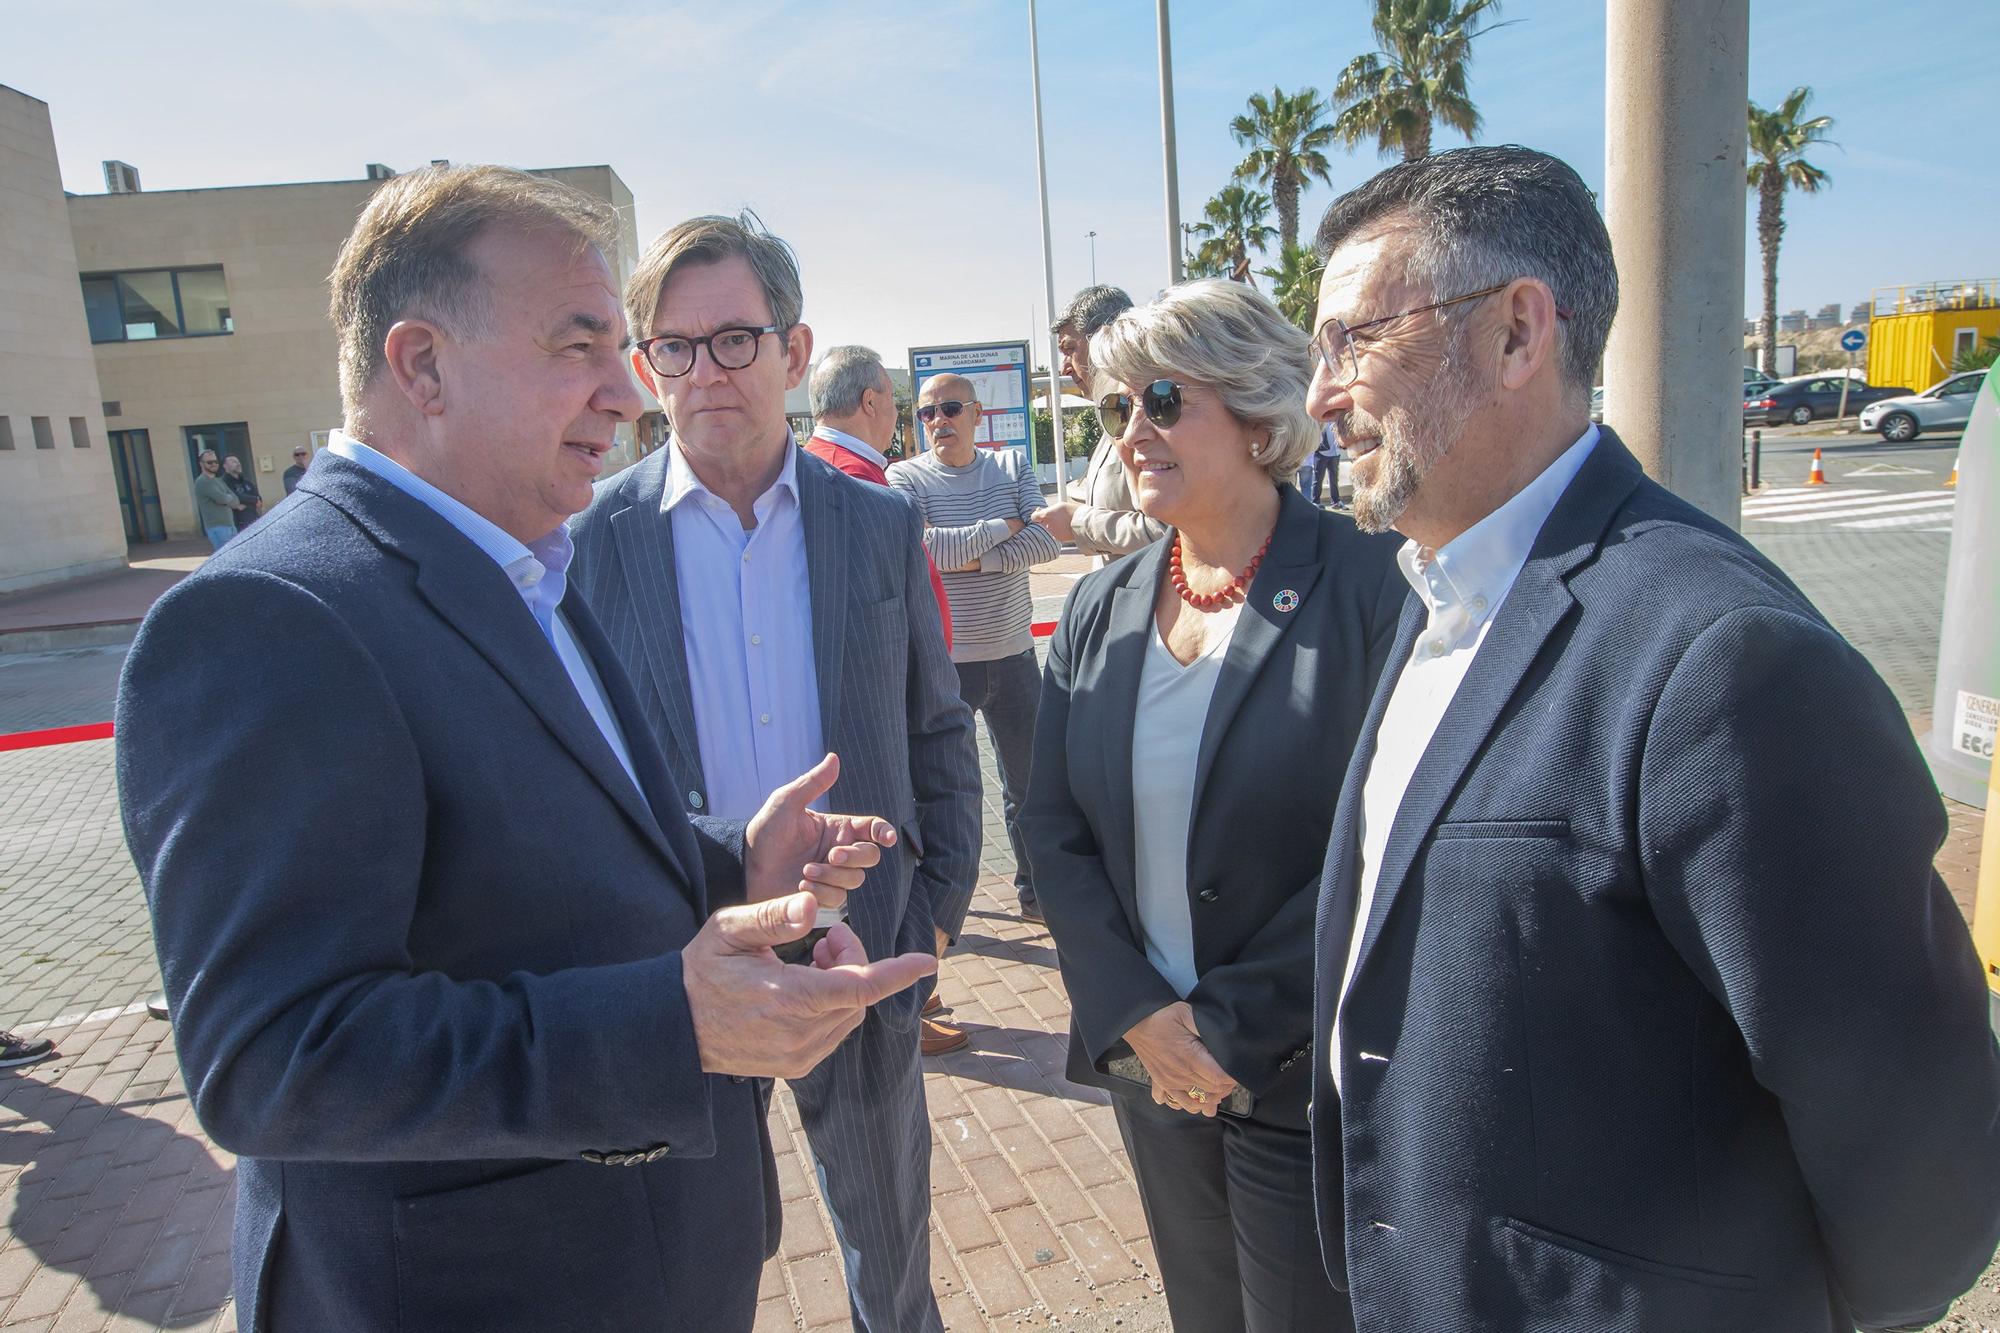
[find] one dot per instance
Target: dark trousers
(1229, 1203)
(1007, 692)
(863, 1113)
(1323, 469)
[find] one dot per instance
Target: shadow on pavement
(116, 1195)
(991, 946)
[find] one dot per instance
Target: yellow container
(1918, 331)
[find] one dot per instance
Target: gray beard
(1415, 440)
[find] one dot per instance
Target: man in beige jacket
(1099, 514)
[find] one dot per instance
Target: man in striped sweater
(979, 507)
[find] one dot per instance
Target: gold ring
(1196, 1095)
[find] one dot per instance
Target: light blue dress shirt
(746, 623)
(538, 571)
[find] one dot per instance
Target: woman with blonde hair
(1201, 699)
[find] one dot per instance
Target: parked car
(1756, 381)
(1801, 400)
(1943, 406)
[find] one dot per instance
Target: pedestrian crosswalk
(1852, 507)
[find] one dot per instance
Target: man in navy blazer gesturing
(480, 1009)
(1639, 1003)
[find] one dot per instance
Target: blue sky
(892, 142)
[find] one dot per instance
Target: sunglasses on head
(948, 409)
(1160, 400)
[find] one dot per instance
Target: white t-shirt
(1166, 745)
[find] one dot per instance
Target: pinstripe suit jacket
(888, 696)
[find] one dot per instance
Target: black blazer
(1662, 1021)
(1287, 708)
(423, 952)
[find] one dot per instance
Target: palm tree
(1778, 144)
(1201, 264)
(1418, 77)
(1233, 225)
(1284, 133)
(1295, 284)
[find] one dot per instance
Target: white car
(1943, 406)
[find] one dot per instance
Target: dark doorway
(138, 486)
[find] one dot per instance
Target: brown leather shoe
(940, 1038)
(934, 1005)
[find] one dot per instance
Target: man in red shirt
(854, 412)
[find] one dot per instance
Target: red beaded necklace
(1205, 601)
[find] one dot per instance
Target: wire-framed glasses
(1339, 352)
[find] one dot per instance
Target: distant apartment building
(1828, 316)
(202, 319)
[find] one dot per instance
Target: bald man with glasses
(979, 507)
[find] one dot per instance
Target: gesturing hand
(1167, 1043)
(789, 848)
(757, 1017)
(1057, 519)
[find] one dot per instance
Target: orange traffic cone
(1818, 477)
(1951, 482)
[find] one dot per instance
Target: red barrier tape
(29, 740)
(97, 731)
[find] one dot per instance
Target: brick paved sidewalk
(116, 1208)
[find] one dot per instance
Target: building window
(79, 432)
(1963, 342)
(6, 432)
(144, 304)
(44, 437)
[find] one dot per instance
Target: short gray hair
(1090, 310)
(710, 240)
(1231, 338)
(407, 255)
(841, 377)
(1485, 216)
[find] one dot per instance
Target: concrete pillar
(1677, 79)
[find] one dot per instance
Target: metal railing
(1914, 298)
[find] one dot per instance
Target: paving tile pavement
(115, 1206)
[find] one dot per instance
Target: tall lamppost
(1167, 146)
(1093, 256)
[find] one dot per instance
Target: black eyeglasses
(1160, 400)
(1336, 345)
(672, 356)
(948, 409)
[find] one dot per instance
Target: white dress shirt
(1463, 587)
(746, 627)
(1166, 745)
(852, 443)
(538, 570)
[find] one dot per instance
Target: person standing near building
(854, 423)
(301, 458)
(1100, 515)
(215, 505)
(771, 609)
(245, 491)
(979, 508)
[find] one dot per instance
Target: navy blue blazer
(888, 697)
(1663, 1020)
(421, 935)
(1309, 644)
